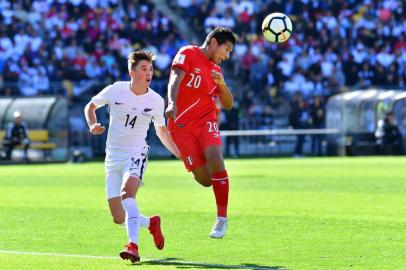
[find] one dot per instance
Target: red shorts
(192, 143)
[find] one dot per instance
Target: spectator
(388, 137)
(231, 122)
(335, 44)
(16, 134)
(299, 119)
(317, 116)
(50, 32)
(77, 127)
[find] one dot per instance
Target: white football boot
(219, 228)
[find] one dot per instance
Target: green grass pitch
(330, 213)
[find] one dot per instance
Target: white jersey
(130, 117)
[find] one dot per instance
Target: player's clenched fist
(170, 110)
(96, 129)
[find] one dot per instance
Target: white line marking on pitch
(157, 261)
(55, 254)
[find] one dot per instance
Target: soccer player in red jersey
(195, 82)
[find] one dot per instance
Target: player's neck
(205, 50)
(138, 89)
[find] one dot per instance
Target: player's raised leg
(155, 230)
(219, 179)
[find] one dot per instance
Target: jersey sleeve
(182, 59)
(159, 119)
(104, 97)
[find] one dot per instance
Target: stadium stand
(46, 119)
(80, 47)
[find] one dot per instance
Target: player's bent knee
(126, 194)
(119, 220)
(206, 182)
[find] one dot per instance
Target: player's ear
(213, 42)
(131, 73)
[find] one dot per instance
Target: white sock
(132, 219)
(144, 221)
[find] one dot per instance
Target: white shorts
(118, 169)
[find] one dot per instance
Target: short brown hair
(135, 57)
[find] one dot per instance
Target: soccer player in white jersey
(133, 105)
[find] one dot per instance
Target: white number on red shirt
(194, 80)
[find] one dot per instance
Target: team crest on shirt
(189, 160)
(180, 58)
(146, 111)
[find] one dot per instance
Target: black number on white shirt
(132, 122)
(135, 162)
(194, 81)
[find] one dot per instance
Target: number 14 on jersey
(131, 122)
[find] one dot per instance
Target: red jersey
(195, 102)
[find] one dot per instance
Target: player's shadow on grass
(185, 265)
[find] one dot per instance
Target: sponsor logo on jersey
(118, 103)
(197, 70)
(147, 109)
(180, 125)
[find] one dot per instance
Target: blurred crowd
(336, 45)
(65, 46)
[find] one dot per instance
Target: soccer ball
(277, 27)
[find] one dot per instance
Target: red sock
(220, 188)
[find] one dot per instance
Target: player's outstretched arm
(225, 96)
(175, 79)
(91, 119)
(165, 138)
